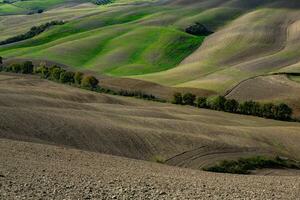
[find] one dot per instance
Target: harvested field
(63, 173)
(40, 111)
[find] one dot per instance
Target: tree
(231, 106)
(67, 77)
(177, 98)
(201, 102)
(1, 60)
(55, 72)
(216, 102)
(189, 99)
(78, 77)
(45, 72)
(198, 29)
(283, 112)
(27, 67)
(267, 110)
(89, 82)
(16, 68)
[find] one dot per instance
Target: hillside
(61, 173)
(146, 40)
(37, 110)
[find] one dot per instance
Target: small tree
(177, 98)
(283, 112)
(189, 99)
(27, 67)
(202, 102)
(267, 110)
(217, 102)
(78, 77)
(231, 105)
(67, 77)
(89, 82)
(16, 68)
(55, 72)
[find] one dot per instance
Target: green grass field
(146, 39)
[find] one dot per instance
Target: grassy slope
(146, 41)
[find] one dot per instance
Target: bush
(283, 112)
(244, 165)
(231, 105)
(55, 72)
(198, 29)
(250, 108)
(216, 103)
(177, 98)
(67, 77)
(78, 77)
(189, 99)
(27, 67)
(202, 102)
(268, 110)
(16, 68)
(89, 82)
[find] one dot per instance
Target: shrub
(67, 77)
(78, 77)
(189, 99)
(27, 67)
(198, 29)
(268, 110)
(244, 165)
(283, 112)
(231, 105)
(250, 108)
(89, 82)
(216, 102)
(177, 98)
(55, 72)
(16, 68)
(201, 102)
(158, 159)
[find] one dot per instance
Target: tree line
(34, 31)
(54, 73)
(267, 110)
(79, 79)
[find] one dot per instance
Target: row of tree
(220, 103)
(54, 73)
(34, 31)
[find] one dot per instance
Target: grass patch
(245, 165)
(158, 159)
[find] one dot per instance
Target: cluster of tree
(198, 29)
(38, 11)
(102, 2)
(55, 73)
(34, 31)
(24, 68)
(220, 103)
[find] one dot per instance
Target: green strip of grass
(245, 165)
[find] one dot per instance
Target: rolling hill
(146, 40)
(40, 111)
